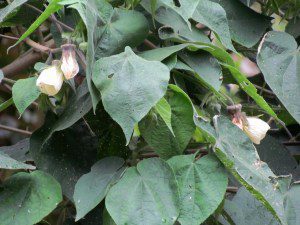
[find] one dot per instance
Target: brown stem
(24, 132)
(149, 44)
(24, 62)
(9, 37)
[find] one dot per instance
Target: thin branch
(12, 129)
(9, 37)
(264, 90)
(150, 44)
(232, 189)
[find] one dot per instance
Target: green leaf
(51, 8)
(18, 151)
(163, 108)
(147, 193)
(130, 86)
(244, 209)
(246, 26)
(9, 163)
(174, 22)
(107, 220)
(202, 186)
(25, 92)
(206, 67)
(240, 157)
(25, 199)
(278, 59)
(250, 89)
(91, 188)
(156, 132)
(4, 12)
(292, 208)
(109, 32)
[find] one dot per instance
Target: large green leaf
(246, 26)
(25, 92)
(156, 132)
(240, 157)
(278, 59)
(25, 198)
(202, 186)
(91, 188)
(244, 209)
(147, 194)
(130, 86)
(51, 8)
(109, 31)
(4, 12)
(6, 162)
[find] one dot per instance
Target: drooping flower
(255, 128)
(51, 79)
(69, 64)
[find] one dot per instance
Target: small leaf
(92, 187)
(145, 194)
(9, 163)
(24, 93)
(130, 86)
(163, 108)
(25, 199)
(202, 186)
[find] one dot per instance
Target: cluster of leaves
(99, 136)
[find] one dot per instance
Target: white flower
(50, 79)
(256, 129)
(69, 64)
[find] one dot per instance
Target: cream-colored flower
(256, 129)
(51, 79)
(69, 64)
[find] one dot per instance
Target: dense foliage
(155, 112)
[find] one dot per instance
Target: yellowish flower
(51, 79)
(69, 64)
(256, 129)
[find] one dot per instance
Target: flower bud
(51, 79)
(69, 64)
(256, 129)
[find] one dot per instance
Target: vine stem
(13, 129)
